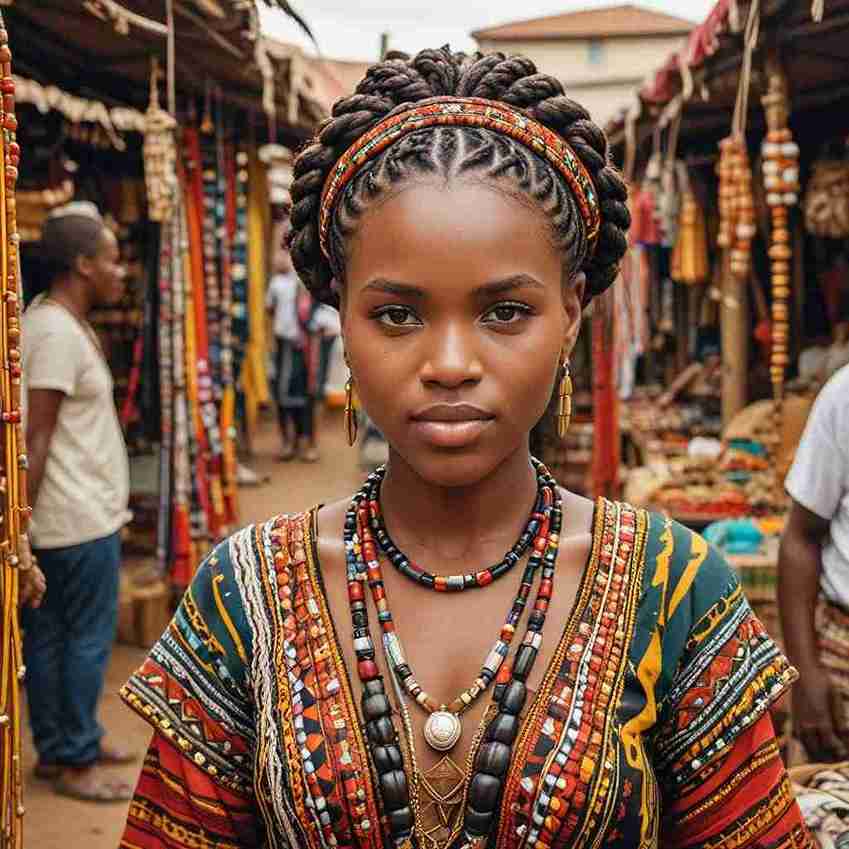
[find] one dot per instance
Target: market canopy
(102, 50)
(700, 80)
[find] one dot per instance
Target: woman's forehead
(466, 229)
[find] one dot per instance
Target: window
(595, 51)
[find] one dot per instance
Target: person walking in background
(79, 486)
(297, 360)
(813, 575)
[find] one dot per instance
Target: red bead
(5, 54)
(545, 588)
(355, 591)
(14, 149)
(484, 579)
(440, 584)
(367, 670)
(7, 85)
(10, 122)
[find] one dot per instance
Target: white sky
(350, 29)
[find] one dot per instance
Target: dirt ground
(53, 822)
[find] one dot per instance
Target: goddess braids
(447, 151)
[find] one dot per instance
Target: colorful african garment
(650, 727)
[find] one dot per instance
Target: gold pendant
(442, 730)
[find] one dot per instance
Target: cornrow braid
(451, 151)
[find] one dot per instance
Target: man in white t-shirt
(79, 486)
(814, 575)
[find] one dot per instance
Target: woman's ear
(573, 301)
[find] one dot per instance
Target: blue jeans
(67, 643)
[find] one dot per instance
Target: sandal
(87, 786)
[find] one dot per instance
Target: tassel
(564, 402)
(351, 423)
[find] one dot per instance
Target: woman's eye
(397, 317)
(506, 313)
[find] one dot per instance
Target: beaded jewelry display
(160, 154)
(493, 756)
(736, 204)
(781, 180)
(13, 470)
(451, 583)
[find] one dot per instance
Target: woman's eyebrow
(509, 284)
(394, 287)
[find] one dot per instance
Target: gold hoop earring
(564, 400)
(351, 423)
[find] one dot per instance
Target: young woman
(461, 212)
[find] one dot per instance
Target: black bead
(493, 759)
(536, 620)
(514, 698)
(400, 821)
(428, 580)
(477, 823)
(387, 758)
(484, 791)
(503, 728)
(359, 619)
(381, 731)
(376, 706)
(374, 687)
(393, 788)
(522, 665)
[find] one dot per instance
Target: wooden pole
(734, 327)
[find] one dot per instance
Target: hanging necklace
(451, 583)
(443, 727)
(510, 693)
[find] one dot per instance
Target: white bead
(790, 175)
(771, 149)
(791, 199)
(790, 149)
(771, 167)
(773, 199)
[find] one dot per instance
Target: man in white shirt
(79, 486)
(814, 575)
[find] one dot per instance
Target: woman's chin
(452, 468)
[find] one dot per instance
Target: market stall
(736, 153)
(158, 113)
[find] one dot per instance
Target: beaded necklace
(510, 693)
(450, 583)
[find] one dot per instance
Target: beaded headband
(464, 112)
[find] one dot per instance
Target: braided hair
(451, 151)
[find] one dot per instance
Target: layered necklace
(365, 535)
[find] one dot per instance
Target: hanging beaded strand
(13, 467)
(510, 692)
(450, 583)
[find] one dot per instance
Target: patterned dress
(650, 727)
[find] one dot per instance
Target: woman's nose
(452, 359)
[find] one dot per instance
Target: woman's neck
(454, 522)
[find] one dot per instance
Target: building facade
(600, 55)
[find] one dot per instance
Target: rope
(750, 42)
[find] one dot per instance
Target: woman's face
(454, 319)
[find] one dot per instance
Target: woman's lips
(451, 425)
